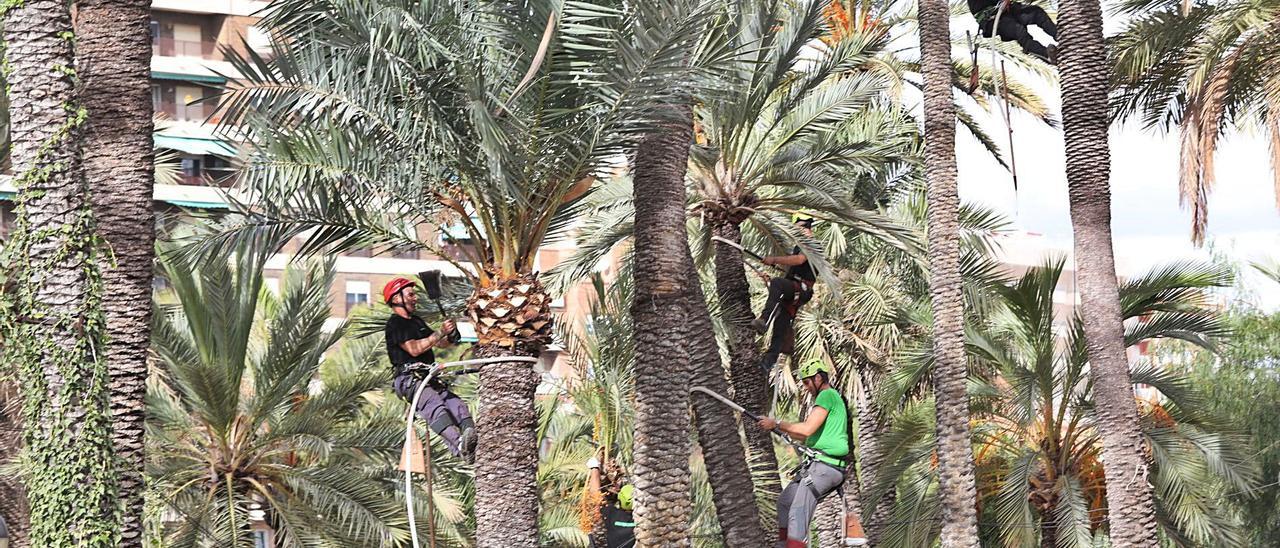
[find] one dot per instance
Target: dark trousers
(785, 299)
(444, 411)
(1013, 27)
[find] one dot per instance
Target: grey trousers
(800, 499)
(444, 411)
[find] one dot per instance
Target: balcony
(202, 112)
(172, 47)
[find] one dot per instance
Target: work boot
(467, 445)
(759, 325)
(1053, 54)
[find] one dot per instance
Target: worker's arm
(798, 431)
(593, 475)
(416, 347)
(786, 260)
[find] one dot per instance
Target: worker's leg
(1010, 29)
(777, 342)
(817, 482)
(1030, 15)
(781, 290)
(462, 416)
(784, 511)
(432, 408)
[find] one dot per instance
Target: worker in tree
(786, 295)
(619, 525)
(826, 431)
(1013, 24)
(410, 344)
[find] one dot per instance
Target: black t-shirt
(619, 527)
(399, 330)
(802, 271)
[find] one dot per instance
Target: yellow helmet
(625, 496)
(813, 366)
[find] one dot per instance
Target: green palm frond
(239, 426)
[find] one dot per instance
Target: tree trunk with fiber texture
(51, 319)
(513, 318)
(871, 427)
(829, 519)
(958, 491)
(662, 293)
(718, 426)
(13, 501)
(113, 53)
(1085, 74)
(750, 385)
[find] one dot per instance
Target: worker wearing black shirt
(786, 296)
(410, 344)
(619, 524)
(1013, 24)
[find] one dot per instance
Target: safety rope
(408, 434)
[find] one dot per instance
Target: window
(187, 107)
(191, 171)
(260, 539)
(357, 294)
(156, 99)
(155, 30)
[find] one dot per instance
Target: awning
(206, 78)
(196, 145)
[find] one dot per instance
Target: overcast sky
(1149, 226)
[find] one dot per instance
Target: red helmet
(395, 286)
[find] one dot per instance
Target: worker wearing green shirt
(826, 430)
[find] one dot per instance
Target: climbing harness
(810, 456)
(460, 367)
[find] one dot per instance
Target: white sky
(1148, 225)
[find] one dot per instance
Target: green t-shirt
(833, 437)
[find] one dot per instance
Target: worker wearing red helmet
(410, 344)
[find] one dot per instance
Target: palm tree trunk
(51, 318)
(750, 385)
(13, 501)
(955, 453)
(871, 427)
(718, 434)
(829, 519)
(1085, 124)
(506, 453)
(113, 49)
(662, 294)
(1048, 531)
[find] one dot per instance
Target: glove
(593, 463)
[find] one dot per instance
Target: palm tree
(864, 332)
(240, 429)
(1039, 455)
(500, 125)
(801, 132)
(955, 455)
(602, 417)
(114, 54)
(1037, 422)
(663, 370)
(50, 311)
(1084, 70)
(1200, 67)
